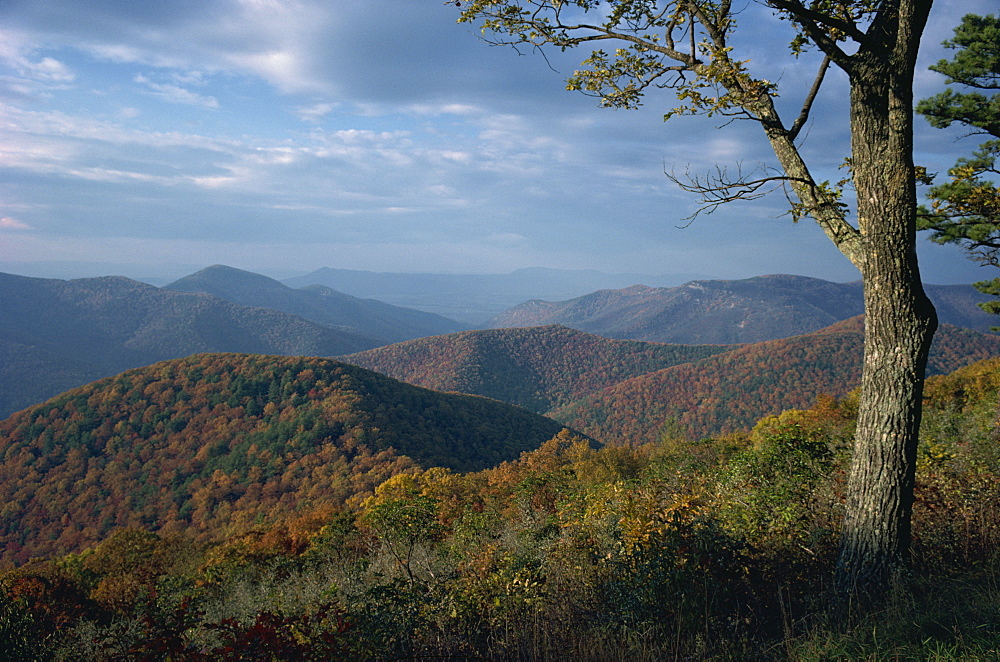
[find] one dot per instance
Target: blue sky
(280, 136)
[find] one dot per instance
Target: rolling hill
(539, 368)
(318, 304)
(728, 311)
(57, 334)
(615, 390)
(731, 391)
(215, 441)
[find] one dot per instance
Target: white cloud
(315, 112)
(461, 109)
(420, 133)
(175, 93)
(8, 223)
(281, 68)
(189, 77)
(16, 52)
(456, 156)
(51, 70)
(125, 54)
(29, 75)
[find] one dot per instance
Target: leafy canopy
(678, 45)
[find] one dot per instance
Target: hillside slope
(215, 441)
(539, 368)
(318, 304)
(57, 334)
(728, 311)
(733, 390)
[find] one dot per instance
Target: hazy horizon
(167, 274)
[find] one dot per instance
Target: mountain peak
(325, 306)
(220, 275)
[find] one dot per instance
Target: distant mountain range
(728, 311)
(216, 440)
(213, 442)
(382, 322)
(57, 334)
(627, 391)
(475, 298)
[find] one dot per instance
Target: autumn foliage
(685, 548)
(730, 391)
(213, 443)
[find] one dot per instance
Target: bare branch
(720, 187)
(810, 98)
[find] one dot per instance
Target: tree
(684, 45)
(966, 209)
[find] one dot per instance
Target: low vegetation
(718, 548)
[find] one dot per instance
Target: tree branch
(719, 188)
(810, 98)
(816, 18)
(811, 20)
(601, 34)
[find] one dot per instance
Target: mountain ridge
(584, 380)
(317, 303)
(732, 390)
(474, 298)
(538, 368)
(55, 334)
(728, 311)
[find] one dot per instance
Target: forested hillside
(620, 390)
(57, 334)
(216, 441)
(732, 390)
(540, 368)
(682, 549)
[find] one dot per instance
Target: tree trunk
(899, 318)
(899, 325)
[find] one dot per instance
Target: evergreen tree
(966, 209)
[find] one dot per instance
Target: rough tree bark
(899, 319)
